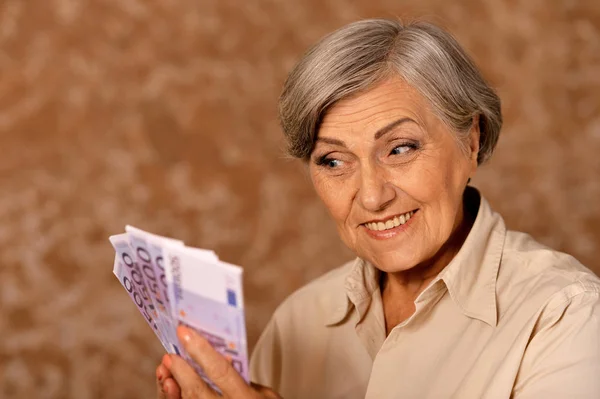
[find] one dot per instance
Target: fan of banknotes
(173, 284)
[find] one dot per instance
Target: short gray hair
(361, 54)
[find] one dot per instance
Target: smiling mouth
(390, 223)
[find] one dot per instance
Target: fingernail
(167, 362)
(185, 334)
(160, 377)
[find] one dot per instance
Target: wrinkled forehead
(377, 106)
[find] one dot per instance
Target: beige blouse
(507, 317)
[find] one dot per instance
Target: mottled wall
(161, 114)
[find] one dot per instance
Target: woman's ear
(474, 135)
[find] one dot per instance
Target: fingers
(159, 384)
(171, 389)
(166, 386)
(214, 365)
(190, 383)
(162, 372)
(165, 362)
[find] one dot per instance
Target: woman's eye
(401, 149)
(332, 163)
(328, 162)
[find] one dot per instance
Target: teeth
(391, 223)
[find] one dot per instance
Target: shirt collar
(470, 277)
(355, 292)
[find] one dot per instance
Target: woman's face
(392, 175)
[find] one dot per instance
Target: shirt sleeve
(562, 359)
(265, 363)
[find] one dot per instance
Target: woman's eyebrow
(381, 132)
(389, 127)
(332, 141)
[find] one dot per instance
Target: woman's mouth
(389, 227)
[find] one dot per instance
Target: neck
(408, 284)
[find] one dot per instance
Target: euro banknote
(173, 284)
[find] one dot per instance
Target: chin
(392, 263)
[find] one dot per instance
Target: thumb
(190, 383)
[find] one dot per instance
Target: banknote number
(127, 259)
(159, 260)
(138, 300)
(137, 277)
(148, 271)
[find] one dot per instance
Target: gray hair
(361, 54)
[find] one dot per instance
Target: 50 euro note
(206, 295)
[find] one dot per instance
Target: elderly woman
(442, 300)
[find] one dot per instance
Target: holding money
(172, 285)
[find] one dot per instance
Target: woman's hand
(176, 379)
(166, 386)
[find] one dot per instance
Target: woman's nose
(375, 192)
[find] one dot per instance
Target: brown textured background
(161, 114)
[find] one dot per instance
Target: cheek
(336, 197)
(435, 185)
(436, 177)
(423, 183)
